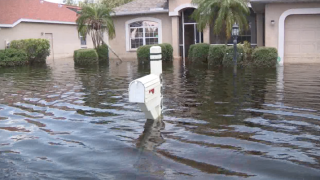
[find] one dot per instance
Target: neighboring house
(23, 19)
(292, 26)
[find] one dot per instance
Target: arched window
(142, 32)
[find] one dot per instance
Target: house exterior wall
(273, 12)
(65, 37)
(175, 3)
(118, 44)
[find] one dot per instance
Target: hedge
(228, 57)
(265, 57)
(216, 54)
(200, 53)
(85, 57)
(143, 53)
(169, 51)
(103, 53)
(37, 50)
(190, 52)
(13, 57)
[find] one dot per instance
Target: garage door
(302, 39)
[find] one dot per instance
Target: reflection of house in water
(151, 136)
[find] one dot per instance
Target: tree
(95, 19)
(222, 14)
(70, 2)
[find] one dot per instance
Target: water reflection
(151, 136)
(66, 122)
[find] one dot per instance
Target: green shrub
(13, 57)
(216, 54)
(169, 51)
(103, 53)
(190, 52)
(37, 50)
(247, 50)
(265, 57)
(200, 53)
(143, 54)
(164, 52)
(85, 57)
(228, 57)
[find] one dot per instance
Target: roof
(13, 11)
(258, 6)
(142, 7)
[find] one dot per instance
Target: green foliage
(216, 54)
(94, 20)
(247, 50)
(169, 49)
(190, 52)
(228, 57)
(222, 14)
(37, 50)
(143, 53)
(103, 53)
(200, 53)
(13, 57)
(164, 51)
(85, 57)
(70, 2)
(265, 57)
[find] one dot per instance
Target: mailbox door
(136, 92)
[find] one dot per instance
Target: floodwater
(62, 122)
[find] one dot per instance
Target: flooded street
(62, 122)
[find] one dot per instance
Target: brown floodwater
(64, 122)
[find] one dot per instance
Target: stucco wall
(118, 44)
(175, 3)
(273, 12)
(65, 37)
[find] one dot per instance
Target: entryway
(190, 33)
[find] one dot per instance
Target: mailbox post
(147, 91)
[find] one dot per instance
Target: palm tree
(94, 20)
(223, 14)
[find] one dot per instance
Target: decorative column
(175, 36)
(259, 17)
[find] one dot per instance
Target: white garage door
(302, 39)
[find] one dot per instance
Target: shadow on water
(66, 122)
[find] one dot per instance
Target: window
(143, 33)
(83, 41)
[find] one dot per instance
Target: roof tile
(13, 10)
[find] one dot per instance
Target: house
(23, 19)
(291, 26)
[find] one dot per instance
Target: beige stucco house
(24, 19)
(292, 26)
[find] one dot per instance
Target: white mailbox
(147, 91)
(144, 89)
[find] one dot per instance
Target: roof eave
(35, 21)
(140, 12)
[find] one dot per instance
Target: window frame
(128, 31)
